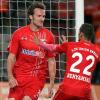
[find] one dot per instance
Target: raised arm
(49, 47)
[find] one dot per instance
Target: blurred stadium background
(62, 17)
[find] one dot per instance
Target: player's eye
(44, 16)
(39, 15)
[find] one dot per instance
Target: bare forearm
(52, 70)
(10, 64)
(52, 78)
(52, 73)
(49, 47)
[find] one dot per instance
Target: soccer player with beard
(81, 60)
(27, 62)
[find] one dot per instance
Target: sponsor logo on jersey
(33, 53)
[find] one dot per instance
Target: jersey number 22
(86, 68)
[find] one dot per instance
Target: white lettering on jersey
(78, 77)
(85, 49)
(86, 71)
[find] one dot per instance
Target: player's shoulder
(77, 43)
(67, 43)
(46, 30)
(93, 47)
(20, 30)
(72, 43)
(97, 48)
(48, 33)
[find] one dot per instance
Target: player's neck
(85, 40)
(34, 28)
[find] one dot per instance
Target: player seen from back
(81, 60)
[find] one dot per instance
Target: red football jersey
(80, 62)
(31, 60)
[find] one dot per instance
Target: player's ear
(30, 17)
(81, 35)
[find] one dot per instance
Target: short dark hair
(88, 31)
(35, 5)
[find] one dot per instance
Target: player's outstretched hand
(63, 39)
(36, 39)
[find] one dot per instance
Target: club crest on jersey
(23, 38)
(33, 53)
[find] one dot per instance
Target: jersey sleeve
(54, 47)
(62, 48)
(14, 43)
(48, 47)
